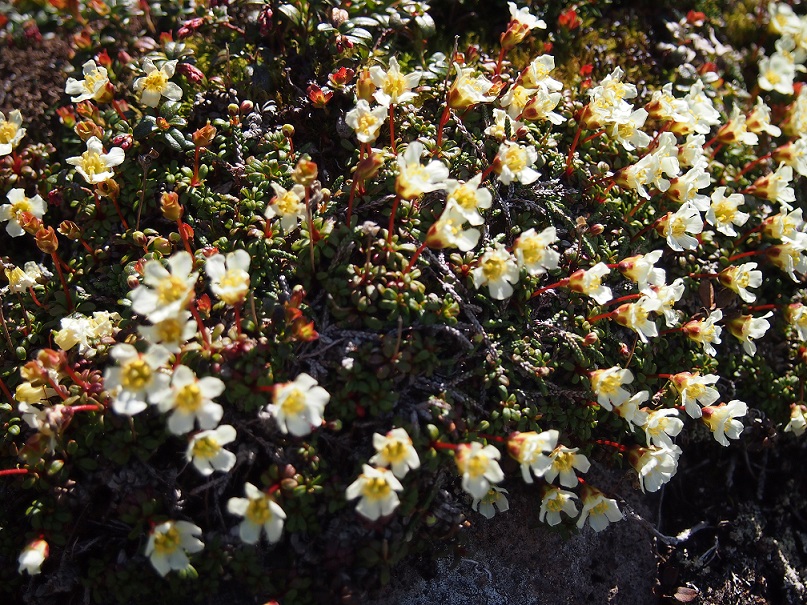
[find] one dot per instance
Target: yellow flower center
(494, 269)
(678, 227)
(155, 81)
(17, 208)
(367, 123)
(234, 284)
(169, 330)
(531, 250)
(555, 505)
(695, 391)
(515, 158)
(171, 289)
(92, 163)
(288, 203)
(394, 451)
(167, 542)
(477, 465)
(772, 77)
(92, 79)
(136, 375)
(294, 403)
(376, 488)
(564, 461)
(205, 448)
(394, 85)
(8, 130)
(258, 511)
(724, 212)
(743, 279)
(521, 96)
(464, 196)
(610, 384)
(598, 509)
(189, 398)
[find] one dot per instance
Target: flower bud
(590, 339)
(368, 167)
(191, 72)
(305, 172)
(319, 97)
(287, 130)
(163, 124)
(139, 238)
(170, 206)
(46, 240)
(514, 35)
(70, 230)
(246, 106)
(109, 188)
(205, 135)
(29, 222)
(86, 130)
(364, 86)
(161, 245)
(339, 16)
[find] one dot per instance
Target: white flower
(365, 121)
(589, 282)
(723, 214)
(736, 130)
(83, 331)
(530, 449)
(794, 154)
(190, 399)
(394, 87)
(395, 449)
(533, 253)
(563, 462)
(741, 277)
(684, 189)
(289, 205)
(660, 425)
(33, 556)
(607, 386)
(554, 502)
(695, 391)
(19, 203)
(537, 74)
(377, 488)
(524, 17)
(229, 276)
(93, 86)
(168, 544)
(599, 510)
(642, 269)
(608, 101)
(516, 99)
(467, 89)
(513, 163)
(541, 105)
(11, 131)
(415, 179)
(298, 405)
(494, 500)
(679, 227)
(721, 420)
(165, 294)
(705, 331)
(171, 332)
(630, 412)
(261, 514)
(449, 231)
(95, 165)
(782, 19)
(628, 131)
(789, 255)
(655, 465)
(786, 223)
(155, 85)
(667, 295)
(797, 317)
(479, 467)
(759, 120)
(498, 270)
(636, 316)
(691, 152)
(777, 72)
(19, 280)
(747, 329)
(775, 187)
(136, 379)
(665, 107)
(499, 127)
(206, 452)
(798, 420)
(468, 198)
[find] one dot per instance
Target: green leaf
(177, 141)
(144, 127)
(292, 13)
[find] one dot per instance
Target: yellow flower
(11, 131)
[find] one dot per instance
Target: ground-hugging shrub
(293, 288)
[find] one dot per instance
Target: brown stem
(205, 336)
(392, 213)
(6, 392)
(5, 328)
(557, 284)
(353, 186)
(195, 182)
(414, 258)
(572, 149)
(311, 228)
(502, 54)
(58, 263)
(441, 126)
(392, 127)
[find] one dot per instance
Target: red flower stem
(58, 263)
(496, 438)
(392, 127)
(119, 111)
(662, 376)
(593, 136)
(14, 471)
(84, 385)
(502, 54)
(638, 205)
(750, 165)
(573, 148)
(5, 327)
(195, 182)
(597, 318)
(645, 229)
(613, 444)
(716, 150)
(392, 213)
(439, 445)
(746, 254)
(120, 214)
(350, 201)
(710, 142)
(266, 388)
(291, 148)
(60, 390)
(441, 126)
(33, 297)
(671, 330)
(748, 234)
(6, 392)
(184, 236)
(195, 312)
(273, 489)
(85, 408)
(312, 234)
(703, 275)
(414, 258)
(557, 284)
(486, 173)
(770, 307)
(623, 299)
